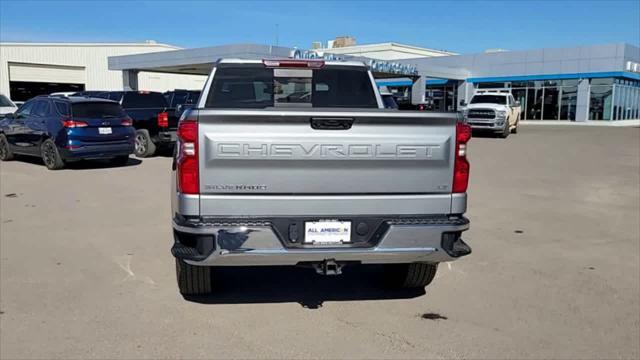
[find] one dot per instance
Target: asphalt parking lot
(555, 273)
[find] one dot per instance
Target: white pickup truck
(496, 111)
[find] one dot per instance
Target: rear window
(489, 99)
(251, 87)
(63, 108)
(134, 100)
(5, 102)
(96, 110)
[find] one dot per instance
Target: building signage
(374, 65)
(633, 67)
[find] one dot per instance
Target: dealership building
(584, 83)
(29, 69)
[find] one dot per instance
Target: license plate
(104, 130)
(327, 232)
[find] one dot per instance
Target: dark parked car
(181, 100)
(154, 120)
(64, 129)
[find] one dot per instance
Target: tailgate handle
(327, 123)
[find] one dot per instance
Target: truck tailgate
(331, 157)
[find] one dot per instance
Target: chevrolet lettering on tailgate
(252, 150)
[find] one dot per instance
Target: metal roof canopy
(199, 61)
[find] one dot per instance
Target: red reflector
(461, 165)
(463, 133)
(70, 123)
(187, 160)
(163, 119)
(126, 122)
(188, 130)
(312, 64)
(461, 175)
(188, 176)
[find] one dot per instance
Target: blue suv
(65, 129)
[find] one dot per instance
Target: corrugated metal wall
(93, 58)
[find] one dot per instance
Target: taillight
(126, 122)
(70, 123)
(163, 119)
(461, 165)
(312, 64)
(187, 157)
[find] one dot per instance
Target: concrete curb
(616, 123)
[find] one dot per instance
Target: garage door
(46, 73)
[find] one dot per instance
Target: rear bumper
(166, 137)
(97, 151)
(243, 242)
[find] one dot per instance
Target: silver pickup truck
(296, 162)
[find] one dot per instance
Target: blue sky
(460, 26)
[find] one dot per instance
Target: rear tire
(50, 155)
(144, 146)
(408, 276)
(193, 280)
(5, 150)
(120, 160)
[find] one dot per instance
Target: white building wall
(93, 58)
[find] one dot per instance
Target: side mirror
(517, 103)
(463, 103)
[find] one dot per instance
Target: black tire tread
(9, 155)
(414, 275)
(193, 280)
(58, 163)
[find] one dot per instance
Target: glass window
(573, 82)
(520, 95)
(551, 105)
(63, 108)
(193, 97)
(389, 102)
(141, 100)
(534, 104)
(568, 102)
(179, 98)
(97, 110)
(294, 90)
(617, 97)
(602, 81)
(519, 84)
(551, 83)
(115, 96)
(600, 102)
(346, 88)
(5, 102)
(637, 104)
(488, 99)
(41, 108)
(254, 87)
(25, 109)
(490, 85)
